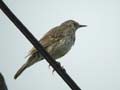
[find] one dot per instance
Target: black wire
(38, 46)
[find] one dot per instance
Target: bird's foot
(49, 66)
(59, 64)
(62, 67)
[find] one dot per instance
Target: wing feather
(50, 37)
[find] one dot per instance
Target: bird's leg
(60, 66)
(58, 63)
(49, 66)
(53, 71)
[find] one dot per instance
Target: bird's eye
(76, 24)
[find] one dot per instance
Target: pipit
(57, 42)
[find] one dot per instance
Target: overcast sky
(93, 62)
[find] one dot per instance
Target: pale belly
(59, 49)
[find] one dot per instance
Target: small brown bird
(57, 42)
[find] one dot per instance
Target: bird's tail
(20, 70)
(31, 60)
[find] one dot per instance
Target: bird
(57, 42)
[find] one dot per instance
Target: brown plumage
(57, 42)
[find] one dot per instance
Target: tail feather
(31, 60)
(20, 71)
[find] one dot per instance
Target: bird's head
(73, 24)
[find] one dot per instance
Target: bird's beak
(83, 26)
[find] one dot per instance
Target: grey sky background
(93, 62)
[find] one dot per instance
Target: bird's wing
(50, 37)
